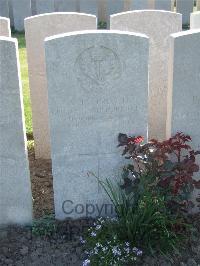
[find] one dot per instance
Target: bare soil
(33, 246)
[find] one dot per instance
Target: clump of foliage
(170, 163)
(149, 202)
(44, 226)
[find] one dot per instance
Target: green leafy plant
(44, 226)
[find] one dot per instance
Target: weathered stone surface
(185, 7)
(5, 27)
(158, 25)
(66, 5)
(97, 87)
(21, 10)
(89, 6)
(15, 188)
(37, 28)
(164, 5)
(44, 6)
(4, 8)
(195, 20)
(184, 94)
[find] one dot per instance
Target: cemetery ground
(50, 242)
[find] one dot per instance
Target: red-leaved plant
(169, 165)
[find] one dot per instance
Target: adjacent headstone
(164, 5)
(44, 6)
(141, 4)
(15, 188)
(11, 13)
(37, 28)
(5, 27)
(66, 5)
(93, 80)
(198, 5)
(184, 92)
(158, 25)
(185, 7)
(4, 8)
(33, 7)
(89, 6)
(21, 10)
(102, 14)
(195, 20)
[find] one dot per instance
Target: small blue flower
(86, 262)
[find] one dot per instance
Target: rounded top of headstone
(148, 11)
(58, 14)
(90, 32)
(8, 39)
(185, 33)
(4, 18)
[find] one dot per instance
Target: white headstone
(5, 27)
(44, 6)
(15, 187)
(37, 28)
(184, 93)
(164, 5)
(4, 8)
(21, 10)
(185, 7)
(97, 87)
(158, 25)
(89, 6)
(195, 20)
(66, 5)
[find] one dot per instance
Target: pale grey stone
(37, 28)
(21, 10)
(4, 8)
(157, 25)
(15, 188)
(184, 94)
(5, 27)
(97, 88)
(44, 6)
(185, 7)
(89, 6)
(195, 20)
(66, 5)
(164, 5)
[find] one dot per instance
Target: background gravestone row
(18, 10)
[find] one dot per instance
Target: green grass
(25, 82)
